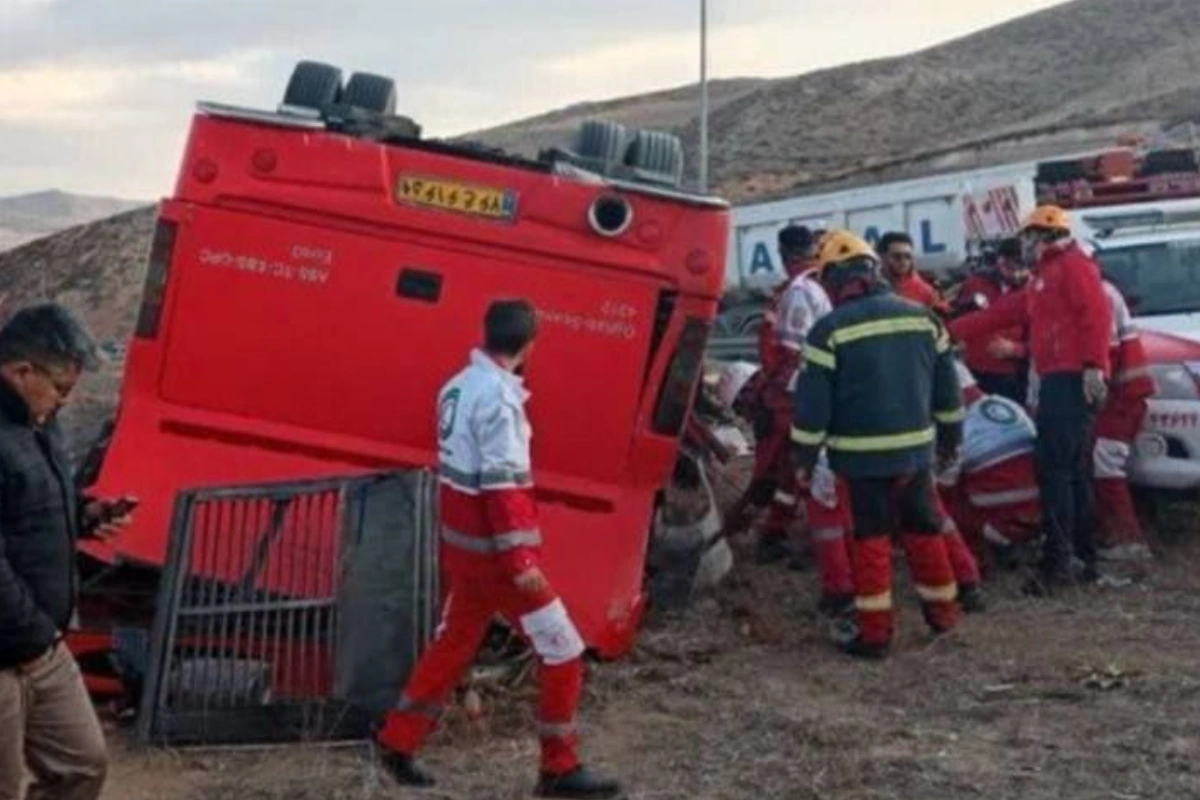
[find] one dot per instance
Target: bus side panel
(352, 335)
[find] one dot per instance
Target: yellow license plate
(464, 198)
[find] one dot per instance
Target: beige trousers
(49, 732)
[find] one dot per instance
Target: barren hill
(30, 216)
(1064, 76)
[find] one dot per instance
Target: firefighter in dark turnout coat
(879, 390)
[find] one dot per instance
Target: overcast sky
(95, 95)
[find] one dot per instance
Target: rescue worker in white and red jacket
(1121, 536)
(993, 491)
(801, 302)
(490, 546)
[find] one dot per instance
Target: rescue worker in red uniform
(1121, 536)
(796, 305)
(999, 362)
(993, 492)
(880, 392)
(490, 558)
(900, 269)
(1069, 321)
(896, 250)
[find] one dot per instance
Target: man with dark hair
(798, 303)
(49, 726)
(490, 559)
(999, 361)
(900, 269)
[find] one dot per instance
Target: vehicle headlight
(1179, 381)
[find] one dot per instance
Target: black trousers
(1014, 387)
(1064, 433)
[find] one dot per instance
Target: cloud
(98, 93)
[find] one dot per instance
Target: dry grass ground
(1092, 695)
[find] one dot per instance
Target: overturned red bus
(321, 270)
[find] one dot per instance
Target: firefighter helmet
(839, 246)
(1048, 218)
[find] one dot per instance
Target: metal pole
(704, 96)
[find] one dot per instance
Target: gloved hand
(948, 459)
(1095, 388)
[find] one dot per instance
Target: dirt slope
(1090, 695)
(1074, 67)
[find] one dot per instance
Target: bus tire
(658, 153)
(313, 85)
(371, 93)
(601, 140)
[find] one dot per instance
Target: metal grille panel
(249, 643)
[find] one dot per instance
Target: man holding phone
(50, 729)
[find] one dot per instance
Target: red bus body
(304, 304)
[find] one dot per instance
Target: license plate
(463, 198)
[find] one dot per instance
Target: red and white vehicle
(1152, 254)
(321, 270)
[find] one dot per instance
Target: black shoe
(970, 597)
(771, 549)
(405, 770)
(836, 605)
(872, 652)
(579, 782)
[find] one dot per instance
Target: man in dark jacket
(880, 391)
(48, 727)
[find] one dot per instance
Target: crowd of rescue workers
(992, 430)
(862, 411)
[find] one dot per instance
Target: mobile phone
(119, 509)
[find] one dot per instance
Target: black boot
(579, 782)
(770, 549)
(405, 770)
(836, 605)
(864, 650)
(970, 597)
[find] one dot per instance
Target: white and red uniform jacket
(997, 476)
(803, 303)
(489, 516)
(1121, 418)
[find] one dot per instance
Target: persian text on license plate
(483, 201)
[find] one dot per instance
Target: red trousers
(830, 525)
(773, 460)
(471, 604)
(1116, 428)
(962, 560)
(908, 504)
(997, 505)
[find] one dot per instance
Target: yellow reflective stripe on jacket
(938, 594)
(874, 602)
(882, 327)
(943, 341)
(801, 436)
(870, 444)
(950, 417)
(822, 358)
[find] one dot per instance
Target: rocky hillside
(27, 217)
(1061, 78)
(97, 271)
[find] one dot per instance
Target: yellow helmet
(1048, 218)
(841, 245)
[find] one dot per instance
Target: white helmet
(734, 377)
